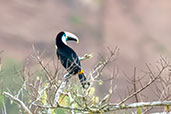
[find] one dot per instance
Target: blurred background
(140, 28)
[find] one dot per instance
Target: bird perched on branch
(68, 56)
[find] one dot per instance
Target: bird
(68, 56)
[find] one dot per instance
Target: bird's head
(63, 37)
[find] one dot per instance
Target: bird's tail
(83, 79)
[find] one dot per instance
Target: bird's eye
(64, 37)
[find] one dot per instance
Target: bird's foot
(86, 85)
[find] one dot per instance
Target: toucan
(68, 56)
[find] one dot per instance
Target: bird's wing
(68, 58)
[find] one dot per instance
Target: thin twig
(17, 101)
(114, 107)
(144, 87)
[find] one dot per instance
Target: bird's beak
(71, 37)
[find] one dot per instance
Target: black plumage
(68, 56)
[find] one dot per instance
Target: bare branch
(114, 107)
(17, 101)
(148, 84)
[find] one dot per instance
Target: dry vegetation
(49, 90)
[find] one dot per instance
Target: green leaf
(75, 105)
(52, 111)
(110, 90)
(91, 91)
(11, 101)
(95, 100)
(44, 98)
(38, 78)
(64, 100)
(30, 101)
(167, 108)
(59, 81)
(122, 105)
(100, 82)
(139, 110)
